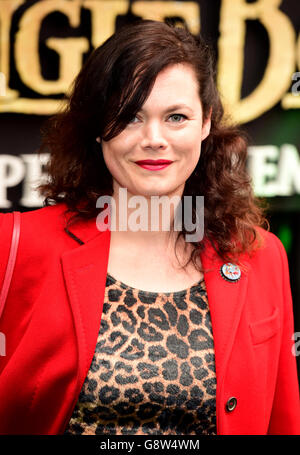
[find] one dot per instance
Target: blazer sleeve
(285, 416)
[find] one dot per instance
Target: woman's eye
(178, 116)
(132, 120)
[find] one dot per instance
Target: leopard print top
(153, 371)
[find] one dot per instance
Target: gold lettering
(8, 7)
(159, 10)
(70, 49)
(277, 77)
(104, 15)
(274, 86)
(31, 106)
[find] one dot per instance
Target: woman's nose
(153, 136)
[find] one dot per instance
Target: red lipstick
(154, 165)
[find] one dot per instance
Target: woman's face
(168, 127)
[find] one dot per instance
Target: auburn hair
(110, 89)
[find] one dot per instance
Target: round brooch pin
(230, 272)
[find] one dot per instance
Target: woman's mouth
(154, 165)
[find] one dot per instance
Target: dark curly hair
(110, 89)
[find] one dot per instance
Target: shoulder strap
(11, 260)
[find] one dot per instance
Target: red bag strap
(11, 260)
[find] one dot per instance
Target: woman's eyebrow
(174, 107)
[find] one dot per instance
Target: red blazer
(53, 312)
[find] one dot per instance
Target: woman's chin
(158, 192)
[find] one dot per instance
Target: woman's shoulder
(270, 241)
(270, 253)
(36, 237)
(47, 216)
(47, 229)
(38, 228)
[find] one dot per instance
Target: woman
(127, 331)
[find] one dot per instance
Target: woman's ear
(98, 139)
(206, 126)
